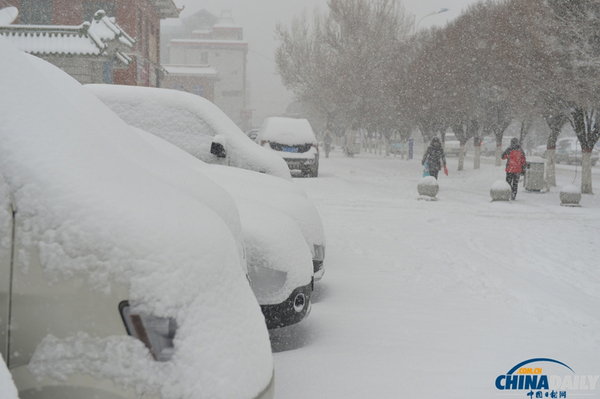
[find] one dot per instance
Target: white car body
(294, 141)
(98, 248)
(451, 145)
(285, 197)
(280, 266)
(192, 123)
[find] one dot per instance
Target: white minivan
(294, 141)
(115, 283)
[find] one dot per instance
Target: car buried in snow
(451, 145)
(115, 282)
(192, 123)
(569, 151)
(280, 268)
(137, 106)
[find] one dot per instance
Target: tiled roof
(102, 36)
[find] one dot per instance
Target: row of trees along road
(499, 62)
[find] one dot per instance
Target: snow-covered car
(190, 122)
(115, 282)
(569, 152)
(451, 145)
(294, 141)
(279, 263)
(283, 196)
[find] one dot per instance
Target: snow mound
(428, 181)
(500, 185)
(571, 189)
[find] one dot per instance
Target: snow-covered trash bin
(428, 188)
(500, 191)
(570, 195)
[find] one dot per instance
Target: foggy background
(268, 97)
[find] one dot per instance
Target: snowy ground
(436, 299)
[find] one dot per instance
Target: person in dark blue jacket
(435, 157)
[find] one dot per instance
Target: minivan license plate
(289, 149)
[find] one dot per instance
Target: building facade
(222, 48)
(139, 19)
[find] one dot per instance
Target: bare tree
(341, 62)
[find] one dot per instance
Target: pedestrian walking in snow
(435, 158)
(351, 134)
(327, 140)
(515, 165)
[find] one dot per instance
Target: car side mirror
(217, 149)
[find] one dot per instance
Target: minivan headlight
(156, 333)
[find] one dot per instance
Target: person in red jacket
(515, 165)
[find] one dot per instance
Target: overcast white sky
(259, 17)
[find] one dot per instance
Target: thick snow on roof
(7, 386)
(82, 183)
(190, 122)
(286, 131)
(89, 38)
(273, 239)
(8, 15)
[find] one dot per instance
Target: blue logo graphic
(530, 378)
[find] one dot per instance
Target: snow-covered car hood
(190, 122)
(286, 131)
(286, 197)
(279, 261)
(82, 185)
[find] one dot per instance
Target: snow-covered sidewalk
(437, 299)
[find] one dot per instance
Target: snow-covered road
(437, 299)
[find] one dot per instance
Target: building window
(35, 12)
(204, 58)
(198, 90)
(90, 8)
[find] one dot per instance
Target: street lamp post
(441, 10)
